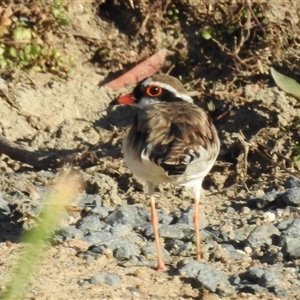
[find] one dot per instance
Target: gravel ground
(104, 248)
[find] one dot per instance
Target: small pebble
(105, 278)
(245, 210)
(269, 216)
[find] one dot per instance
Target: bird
(171, 140)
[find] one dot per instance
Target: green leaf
(37, 68)
(206, 35)
(211, 106)
(13, 52)
(287, 84)
(21, 34)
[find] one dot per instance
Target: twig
(19, 153)
(253, 15)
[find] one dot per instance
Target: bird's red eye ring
(153, 91)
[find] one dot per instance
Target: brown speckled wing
(173, 136)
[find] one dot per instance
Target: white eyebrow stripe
(184, 97)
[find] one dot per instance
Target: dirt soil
(51, 114)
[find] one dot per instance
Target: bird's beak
(126, 99)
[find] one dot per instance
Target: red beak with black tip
(125, 100)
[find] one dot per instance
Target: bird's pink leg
(196, 221)
(154, 221)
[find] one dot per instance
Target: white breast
(147, 170)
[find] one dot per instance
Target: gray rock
(97, 237)
(283, 225)
(290, 247)
(292, 182)
(150, 252)
(187, 217)
(242, 233)
(271, 277)
(164, 219)
(281, 292)
(231, 253)
(105, 278)
(4, 209)
(260, 202)
(121, 249)
(101, 211)
(230, 210)
(262, 235)
(125, 250)
(252, 288)
(175, 231)
(125, 215)
(71, 232)
(208, 277)
(291, 197)
(45, 174)
(90, 224)
(253, 274)
(293, 229)
(120, 230)
(179, 247)
(235, 279)
(84, 283)
(290, 240)
(89, 258)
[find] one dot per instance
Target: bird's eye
(153, 91)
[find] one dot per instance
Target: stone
(125, 215)
(101, 211)
(179, 248)
(4, 208)
(262, 235)
(90, 224)
(269, 216)
(293, 229)
(175, 231)
(253, 274)
(187, 217)
(120, 230)
(121, 249)
(291, 197)
(150, 252)
(292, 182)
(125, 250)
(290, 247)
(164, 219)
(105, 278)
(267, 199)
(271, 277)
(284, 224)
(252, 288)
(97, 237)
(208, 277)
(242, 233)
(231, 253)
(71, 232)
(230, 210)
(235, 279)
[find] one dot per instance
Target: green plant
(62, 194)
(24, 36)
(296, 152)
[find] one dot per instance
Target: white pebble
(248, 250)
(269, 216)
(246, 210)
